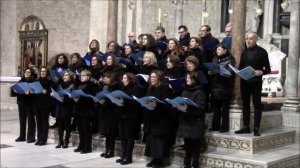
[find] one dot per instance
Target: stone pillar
(238, 44)
(178, 18)
(268, 16)
(112, 24)
(291, 102)
(276, 16)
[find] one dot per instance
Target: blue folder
(222, 71)
(79, 93)
(56, 95)
(177, 84)
(180, 101)
(100, 95)
(246, 73)
(116, 95)
(17, 89)
(36, 87)
(138, 56)
(144, 100)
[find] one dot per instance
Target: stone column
(178, 18)
(238, 44)
(224, 14)
(276, 16)
(291, 102)
(112, 24)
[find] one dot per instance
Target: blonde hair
(152, 57)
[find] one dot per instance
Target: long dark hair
(64, 65)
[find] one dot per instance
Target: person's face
(203, 32)
(250, 40)
(111, 47)
(125, 80)
(146, 60)
(228, 31)
(189, 80)
(169, 64)
(84, 77)
(131, 36)
(94, 44)
(67, 77)
(127, 50)
(153, 79)
(193, 43)
(171, 45)
(74, 59)
(144, 40)
(190, 66)
(220, 51)
(27, 73)
(182, 33)
(60, 60)
(109, 61)
(106, 80)
(43, 72)
(94, 61)
(159, 34)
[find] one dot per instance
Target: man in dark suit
(257, 58)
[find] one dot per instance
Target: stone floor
(22, 154)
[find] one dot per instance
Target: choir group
(160, 87)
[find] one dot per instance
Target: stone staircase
(277, 147)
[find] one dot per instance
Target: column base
(291, 105)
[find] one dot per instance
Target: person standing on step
(256, 57)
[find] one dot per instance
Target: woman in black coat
(129, 118)
(221, 90)
(157, 122)
(84, 112)
(25, 106)
(64, 110)
(42, 106)
(191, 123)
(108, 117)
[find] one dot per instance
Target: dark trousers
(254, 90)
(110, 144)
(64, 124)
(84, 125)
(220, 109)
(42, 122)
(127, 148)
(192, 152)
(26, 113)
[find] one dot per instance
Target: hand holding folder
(148, 102)
(180, 101)
(246, 73)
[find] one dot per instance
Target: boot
(66, 143)
(59, 145)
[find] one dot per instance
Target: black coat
(108, 114)
(222, 87)
(130, 113)
(158, 122)
(43, 100)
(191, 123)
(65, 108)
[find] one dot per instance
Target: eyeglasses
(181, 32)
(130, 36)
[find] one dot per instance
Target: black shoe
(256, 132)
(151, 163)
(66, 144)
(119, 160)
(42, 143)
(103, 154)
(37, 142)
(243, 131)
(84, 151)
(78, 149)
(59, 145)
(185, 166)
(19, 139)
(212, 129)
(30, 140)
(126, 161)
(109, 155)
(223, 130)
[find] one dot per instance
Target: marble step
(247, 143)
(269, 120)
(282, 157)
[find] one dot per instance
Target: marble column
(238, 44)
(112, 23)
(276, 16)
(178, 18)
(291, 102)
(224, 14)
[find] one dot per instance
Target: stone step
(247, 143)
(269, 120)
(282, 157)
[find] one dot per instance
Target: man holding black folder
(257, 58)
